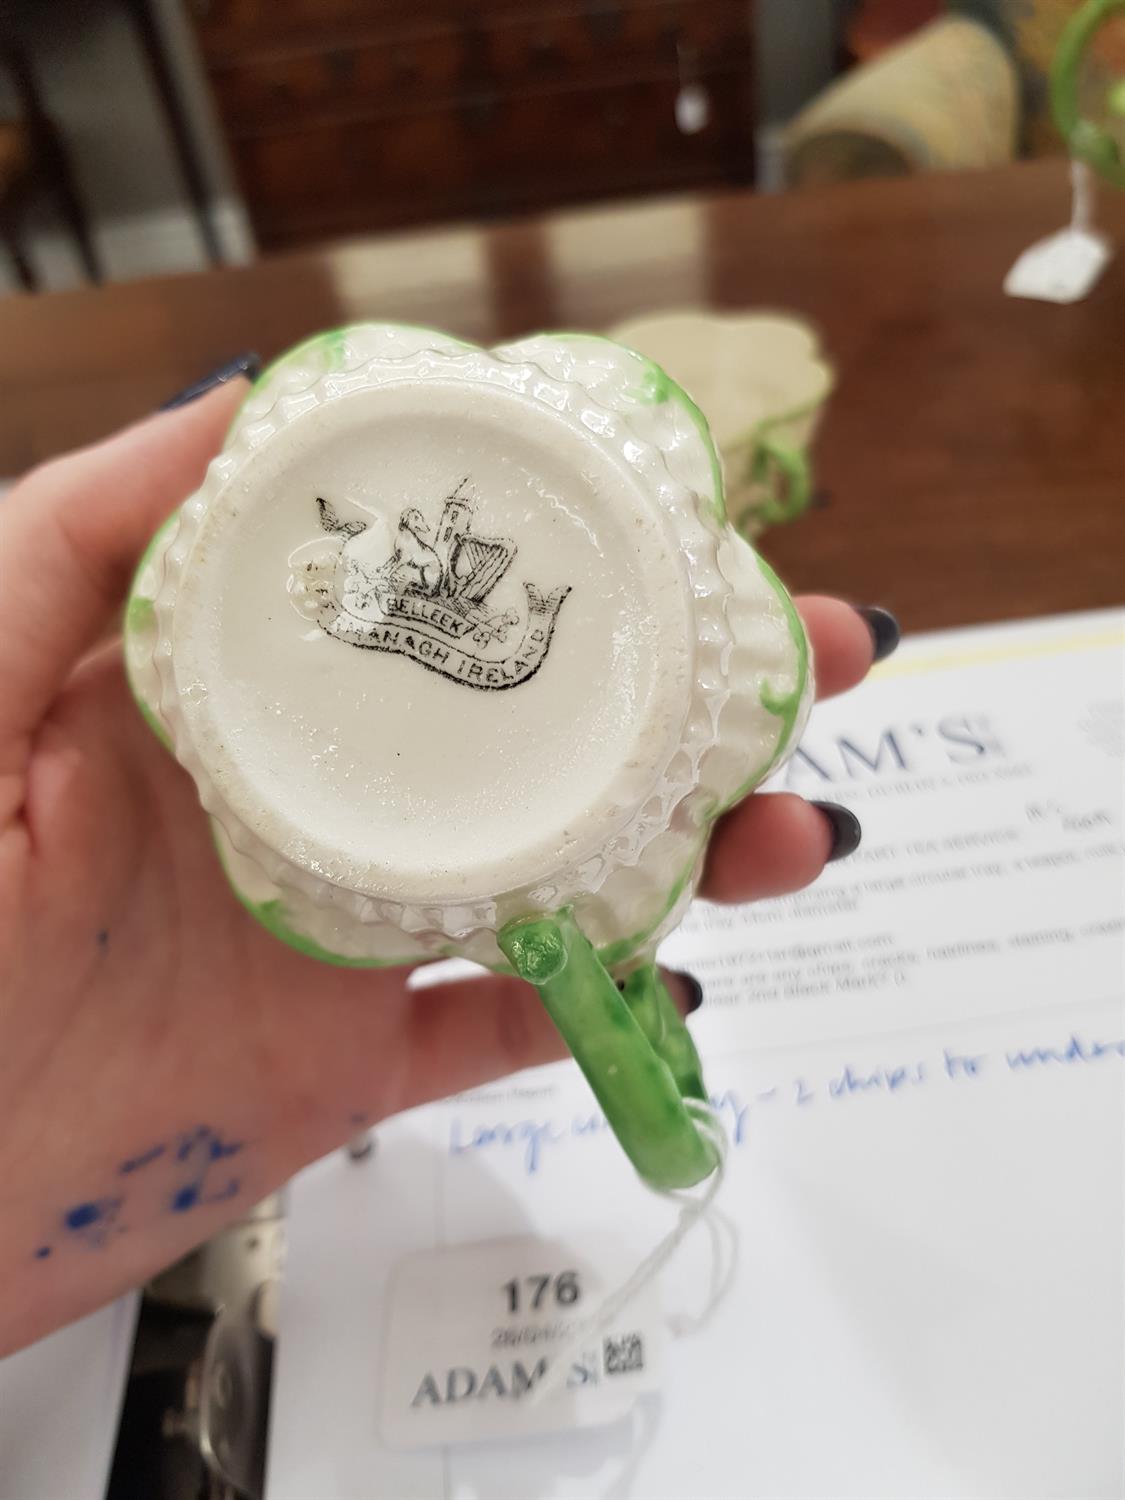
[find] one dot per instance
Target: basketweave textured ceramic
(464, 659)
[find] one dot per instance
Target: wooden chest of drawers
(350, 115)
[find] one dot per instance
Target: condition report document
(987, 768)
(913, 1286)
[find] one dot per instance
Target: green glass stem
(1085, 139)
(634, 1048)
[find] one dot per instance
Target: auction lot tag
(1063, 268)
(471, 1332)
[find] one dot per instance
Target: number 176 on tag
(527, 1293)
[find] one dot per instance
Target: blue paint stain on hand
(191, 1196)
(190, 1140)
(135, 1163)
(229, 1191)
(82, 1215)
(207, 1142)
(199, 1150)
(90, 1222)
(189, 1155)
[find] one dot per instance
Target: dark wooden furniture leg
(52, 166)
(25, 272)
(168, 89)
(73, 209)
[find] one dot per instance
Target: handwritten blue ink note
(534, 1141)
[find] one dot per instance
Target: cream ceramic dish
(762, 381)
(465, 660)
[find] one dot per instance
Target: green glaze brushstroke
(139, 617)
(333, 339)
(151, 720)
(271, 916)
(785, 706)
(335, 350)
(656, 387)
(162, 532)
(659, 387)
(616, 953)
(140, 614)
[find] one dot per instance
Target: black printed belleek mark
(421, 596)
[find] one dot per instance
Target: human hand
(165, 1062)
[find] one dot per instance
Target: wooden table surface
(973, 453)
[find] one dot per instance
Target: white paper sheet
(986, 767)
(60, 1403)
(927, 1174)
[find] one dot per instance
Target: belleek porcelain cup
(762, 380)
(465, 660)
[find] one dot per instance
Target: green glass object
(1087, 140)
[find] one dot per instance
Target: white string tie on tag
(695, 1205)
(1081, 196)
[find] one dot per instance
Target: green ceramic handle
(773, 456)
(1086, 140)
(631, 1043)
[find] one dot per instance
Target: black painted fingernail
(846, 830)
(360, 1146)
(885, 629)
(692, 989)
(247, 365)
